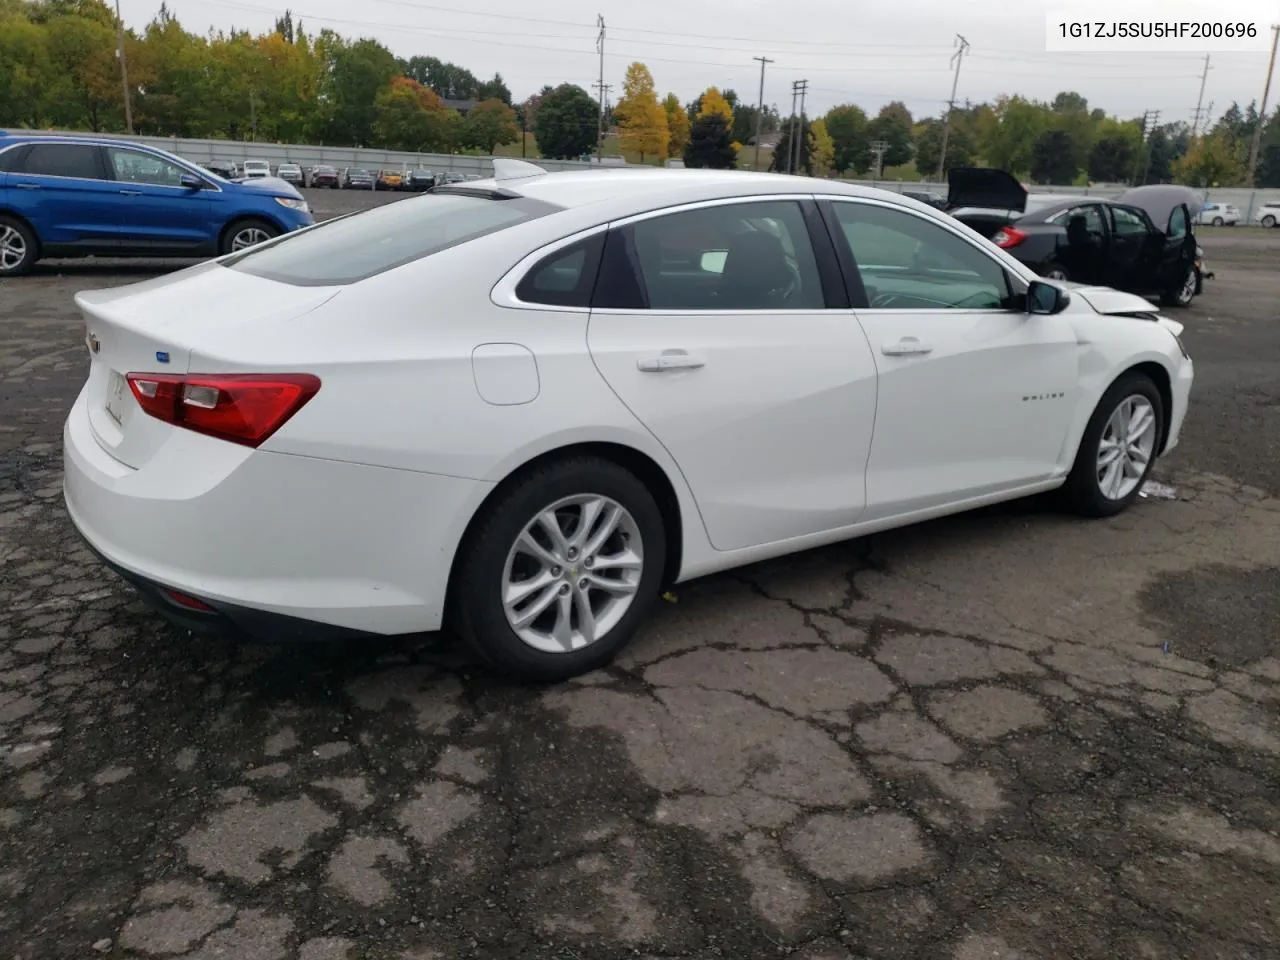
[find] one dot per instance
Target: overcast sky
(861, 53)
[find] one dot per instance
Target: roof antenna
(505, 168)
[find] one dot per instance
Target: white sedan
(521, 407)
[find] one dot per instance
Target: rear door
(1085, 253)
(155, 209)
(724, 328)
(62, 188)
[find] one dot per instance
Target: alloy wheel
(572, 573)
(13, 249)
(1188, 289)
(1125, 450)
(248, 237)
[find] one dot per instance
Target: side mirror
(191, 181)
(1045, 298)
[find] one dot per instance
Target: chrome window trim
(503, 293)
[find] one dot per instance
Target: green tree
(1018, 125)
(848, 126)
(354, 76)
(642, 121)
(893, 125)
(960, 147)
(710, 144)
(1213, 161)
(781, 153)
(495, 89)
(489, 123)
(410, 117)
(1053, 158)
(449, 80)
(566, 122)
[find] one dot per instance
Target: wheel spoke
(609, 585)
(529, 546)
(607, 527)
(550, 524)
(586, 617)
(1108, 452)
(1112, 479)
(626, 560)
(1138, 456)
(563, 630)
(521, 590)
(1141, 420)
(588, 514)
(535, 609)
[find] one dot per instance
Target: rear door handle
(27, 186)
(132, 193)
(669, 360)
(906, 347)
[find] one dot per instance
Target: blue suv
(67, 196)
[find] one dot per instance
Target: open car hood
(985, 187)
(1117, 303)
(1159, 200)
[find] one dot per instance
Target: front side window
(738, 256)
(909, 263)
(79, 160)
(134, 166)
(355, 247)
(1127, 222)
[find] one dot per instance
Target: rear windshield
(362, 245)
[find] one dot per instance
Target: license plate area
(117, 388)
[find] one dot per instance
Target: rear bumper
(292, 545)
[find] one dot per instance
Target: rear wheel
(1268, 221)
(247, 233)
(1118, 448)
(19, 248)
(1055, 271)
(560, 570)
(1217, 221)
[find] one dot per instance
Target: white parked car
(523, 405)
(1219, 214)
(1269, 214)
(255, 168)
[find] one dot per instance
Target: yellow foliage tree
(714, 103)
(677, 126)
(642, 121)
(822, 149)
(1210, 162)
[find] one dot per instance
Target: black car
(416, 181)
(1141, 242)
(324, 176)
(924, 196)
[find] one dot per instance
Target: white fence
(205, 151)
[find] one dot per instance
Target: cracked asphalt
(1011, 734)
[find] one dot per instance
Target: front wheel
(1118, 449)
(247, 233)
(560, 570)
(19, 248)
(1217, 221)
(1183, 293)
(1268, 221)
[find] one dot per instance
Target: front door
(154, 208)
(975, 395)
(711, 324)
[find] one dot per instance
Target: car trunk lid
(985, 187)
(154, 326)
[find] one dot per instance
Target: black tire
(15, 233)
(1082, 490)
(1268, 221)
(475, 605)
(1054, 266)
(1183, 293)
(1217, 221)
(237, 228)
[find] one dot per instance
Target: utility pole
(1195, 123)
(600, 124)
(1155, 121)
(878, 148)
(124, 71)
(604, 89)
(1262, 111)
(957, 58)
(795, 95)
(799, 137)
(760, 109)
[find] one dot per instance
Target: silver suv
(1269, 215)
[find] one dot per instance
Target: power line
(957, 59)
(1262, 112)
(760, 108)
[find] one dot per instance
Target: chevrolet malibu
(520, 407)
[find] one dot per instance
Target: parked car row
(327, 176)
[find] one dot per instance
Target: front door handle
(27, 186)
(906, 347)
(132, 193)
(669, 360)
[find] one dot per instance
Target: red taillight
(1008, 237)
(244, 408)
(191, 603)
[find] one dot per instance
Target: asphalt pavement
(1012, 734)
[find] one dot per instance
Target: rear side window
(564, 278)
(63, 160)
(11, 159)
(354, 248)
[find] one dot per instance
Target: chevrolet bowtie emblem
(94, 343)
